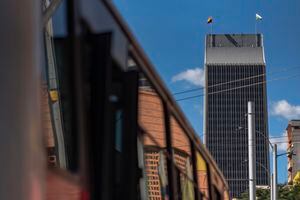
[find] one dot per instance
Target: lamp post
(273, 183)
(275, 172)
(251, 151)
(260, 164)
(260, 133)
(275, 178)
(274, 175)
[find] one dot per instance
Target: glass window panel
(182, 156)
(60, 141)
(118, 130)
(151, 122)
(202, 176)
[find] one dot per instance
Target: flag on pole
(258, 17)
(209, 20)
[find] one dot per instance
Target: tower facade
(235, 74)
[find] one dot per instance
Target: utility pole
(275, 172)
(251, 151)
(271, 189)
(271, 176)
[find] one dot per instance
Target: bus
(86, 116)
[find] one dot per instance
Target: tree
(285, 192)
(261, 194)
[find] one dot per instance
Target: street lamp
(260, 164)
(273, 183)
(274, 177)
(239, 128)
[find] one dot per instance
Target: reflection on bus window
(202, 176)
(151, 121)
(52, 89)
(61, 146)
(151, 115)
(47, 127)
(182, 153)
(118, 130)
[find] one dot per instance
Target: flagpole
(210, 34)
(255, 27)
(257, 18)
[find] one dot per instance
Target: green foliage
(285, 192)
(289, 192)
(261, 194)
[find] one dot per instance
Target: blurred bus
(86, 116)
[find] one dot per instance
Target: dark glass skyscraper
(235, 74)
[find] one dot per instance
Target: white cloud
(281, 141)
(284, 109)
(193, 76)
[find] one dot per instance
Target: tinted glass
(60, 138)
(183, 159)
(151, 122)
(202, 176)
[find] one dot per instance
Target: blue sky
(172, 34)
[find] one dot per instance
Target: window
(203, 177)
(61, 138)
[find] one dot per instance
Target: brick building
(151, 121)
(293, 133)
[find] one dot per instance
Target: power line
(230, 89)
(285, 142)
(284, 136)
(190, 90)
(237, 80)
(219, 84)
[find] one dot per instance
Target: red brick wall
(152, 121)
(151, 118)
(46, 117)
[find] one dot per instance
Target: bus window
(182, 155)
(216, 195)
(226, 195)
(61, 140)
(202, 176)
(152, 128)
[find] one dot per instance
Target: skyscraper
(235, 74)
